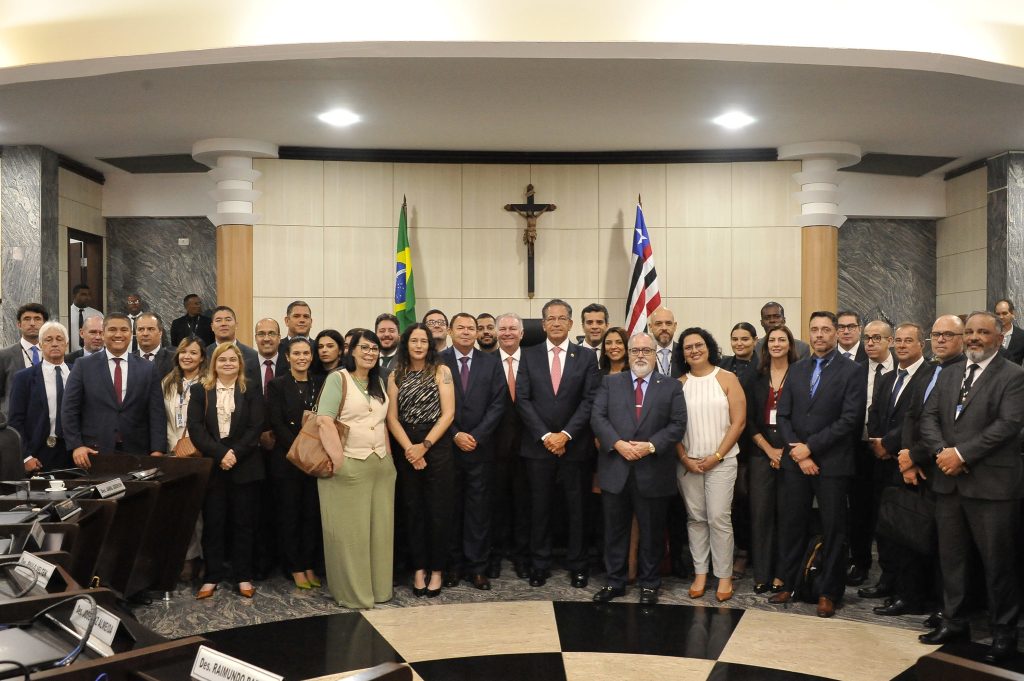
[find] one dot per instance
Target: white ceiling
(515, 105)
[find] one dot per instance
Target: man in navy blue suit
(639, 415)
(36, 396)
(554, 393)
(113, 401)
(820, 415)
(479, 405)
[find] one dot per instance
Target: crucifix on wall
(531, 211)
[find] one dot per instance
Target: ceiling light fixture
(734, 120)
(339, 117)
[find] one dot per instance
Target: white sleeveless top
(707, 416)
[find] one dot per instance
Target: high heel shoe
(300, 582)
(247, 591)
(434, 593)
(697, 593)
(314, 582)
(206, 591)
(419, 592)
(723, 596)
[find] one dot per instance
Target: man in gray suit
(639, 415)
(972, 423)
(25, 352)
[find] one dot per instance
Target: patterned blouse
(419, 400)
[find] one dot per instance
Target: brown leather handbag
(307, 452)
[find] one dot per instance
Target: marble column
(1005, 258)
(230, 161)
(819, 217)
(29, 269)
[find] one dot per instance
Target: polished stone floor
(550, 633)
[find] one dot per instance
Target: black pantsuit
(763, 482)
(428, 498)
(240, 503)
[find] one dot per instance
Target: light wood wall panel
(346, 313)
(967, 192)
(437, 262)
(618, 188)
(615, 251)
(967, 231)
(698, 263)
(358, 194)
(276, 308)
(699, 195)
(358, 261)
(961, 272)
(293, 192)
(761, 260)
(493, 263)
(573, 189)
(762, 194)
(565, 263)
(486, 189)
(434, 193)
(289, 261)
(959, 303)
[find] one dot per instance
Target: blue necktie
(896, 388)
(816, 376)
(35, 355)
(935, 377)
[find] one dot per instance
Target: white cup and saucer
(57, 486)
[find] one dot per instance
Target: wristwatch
(427, 444)
(650, 448)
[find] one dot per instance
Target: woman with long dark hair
(357, 503)
(328, 349)
(613, 351)
(773, 368)
(422, 406)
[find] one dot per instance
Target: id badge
(771, 417)
(179, 419)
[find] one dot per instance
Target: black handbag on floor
(907, 516)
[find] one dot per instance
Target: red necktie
(117, 379)
(268, 374)
(556, 369)
(639, 397)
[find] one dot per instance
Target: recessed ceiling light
(734, 120)
(339, 117)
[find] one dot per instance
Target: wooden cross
(531, 211)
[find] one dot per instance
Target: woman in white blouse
(716, 410)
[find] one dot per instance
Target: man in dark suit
(113, 401)
(479, 402)
(820, 414)
(25, 352)
(773, 316)
(554, 394)
(298, 320)
(639, 415)
(972, 425)
(1012, 347)
(893, 400)
(36, 397)
(192, 323)
(510, 509)
(91, 337)
(848, 328)
(149, 332)
(225, 326)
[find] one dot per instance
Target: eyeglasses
(552, 320)
(638, 352)
(877, 338)
(944, 335)
(368, 349)
(694, 347)
(436, 323)
(266, 334)
(847, 327)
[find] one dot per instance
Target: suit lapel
(654, 384)
(235, 415)
(981, 384)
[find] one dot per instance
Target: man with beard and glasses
(972, 427)
(638, 417)
(486, 332)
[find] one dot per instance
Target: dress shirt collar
(221, 386)
(853, 351)
(982, 365)
(155, 351)
(563, 346)
(28, 346)
(111, 355)
(912, 369)
(887, 364)
(504, 355)
(459, 354)
(48, 367)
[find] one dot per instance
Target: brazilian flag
(405, 292)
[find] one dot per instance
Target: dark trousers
(764, 508)
(863, 510)
(886, 474)
(618, 523)
(238, 504)
(678, 541)
(510, 508)
(471, 531)
(428, 496)
(544, 476)
(298, 521)
(992, 527)
(741, 526)
(56, 457)
(796, 496)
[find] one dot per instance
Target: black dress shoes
(947, 632)
(1004, 647)
(494, 570)
(579, 579)
(856, 575)
(877, 591)
(898, 606)
(481, 582)
(452, 579)
(648, 596)
(761, 588)
(609, 592)
(522, 571)
(538, 577)
(932, 621)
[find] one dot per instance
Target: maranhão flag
(643, 297)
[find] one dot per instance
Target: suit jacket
(987, 433)
(91, 416)
(831, 421)
(1015, 353)
(251, 359)
(163, 361)
(180, 329)
(886, 420)
(662, 423)
(911, 438)
(479, 410)
(677, 360)
(246, 425)
(542, 411)
(757, 398)
(12, 360)
(284, 409)
(30, 412)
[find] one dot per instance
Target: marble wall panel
(1005, 231)
(143, 257)
(29, 266)
(887, 268)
